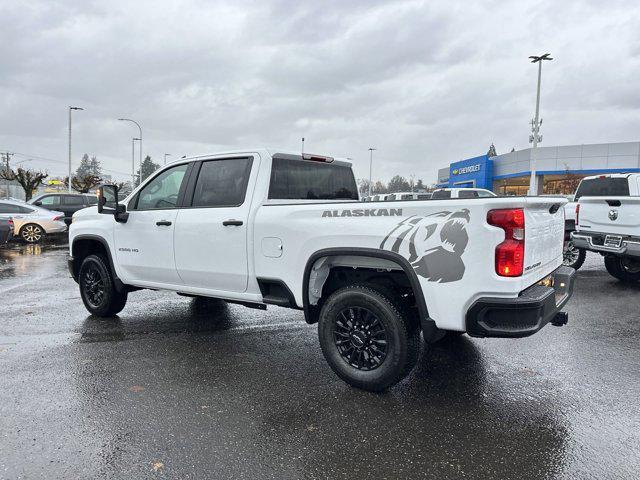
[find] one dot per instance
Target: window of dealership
(559, 169)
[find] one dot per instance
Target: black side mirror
(108, 203)
(38, 203)
(107, 199)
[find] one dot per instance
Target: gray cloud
(425, 82)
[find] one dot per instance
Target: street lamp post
(165, 157)
(370, 168)
(70, 109)
(535, 136)
(140, 138)
(133, 162)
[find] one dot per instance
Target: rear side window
(72, 200)
(11, 208)
(440, 194)
(309, 180)
(91, 200)
(222, 183)
(603, 187)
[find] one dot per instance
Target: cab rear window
(603, 187)
(310, 180)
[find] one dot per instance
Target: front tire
(32, 233)
(625, 269)
(367, 339)
(97, 288)
(573, 257)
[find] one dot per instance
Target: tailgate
(544, 236)
(613, 215)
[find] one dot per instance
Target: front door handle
(235, 223)
(163, 223)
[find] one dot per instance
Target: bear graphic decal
(433, 244)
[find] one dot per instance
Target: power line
(53, 160)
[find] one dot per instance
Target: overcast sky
(425, 82)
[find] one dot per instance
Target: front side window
(50, 200)
(162, 192)
(91, 200)
(441, 194)
(468, 194)
(310, 180)
(222, 183)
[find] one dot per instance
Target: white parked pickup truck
(608, 222)
(258, 227)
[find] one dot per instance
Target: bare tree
(28, 179)
(83, 184)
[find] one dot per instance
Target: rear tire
(367, 339)
(573, 257)
(32, 233)
(97, 288)
(624, 269)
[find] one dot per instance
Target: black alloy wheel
(361, 338)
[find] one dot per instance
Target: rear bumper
(524, 315)
(630, 246)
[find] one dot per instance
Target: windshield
(603, 187)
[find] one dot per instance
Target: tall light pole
(70, 109)
(371, 149)
(140, 138)
(165, 157)
(535, 136)
(133, 162)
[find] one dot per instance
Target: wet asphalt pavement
(178, 388)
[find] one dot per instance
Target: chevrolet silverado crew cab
(608, 222)
(263, 228)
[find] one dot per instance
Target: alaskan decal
(364, 212)
(416, 238)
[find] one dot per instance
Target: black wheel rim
(93, 286)
(361, 338)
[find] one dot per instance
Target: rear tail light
(59, 217)
(577, 212)
(509, 256)
(317, 158)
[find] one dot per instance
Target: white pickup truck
(608, 222)
(259, 227)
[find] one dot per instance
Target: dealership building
(558, 169)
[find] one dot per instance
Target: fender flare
(366, 252)
(117, 282)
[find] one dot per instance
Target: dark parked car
(67, 203)
(6, 230)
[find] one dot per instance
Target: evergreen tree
(419, 185)
(398, 184)
(85, 167)
(146, 169)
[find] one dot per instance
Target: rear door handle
(235, 223)
(163, 223)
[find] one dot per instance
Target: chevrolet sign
(469, 169)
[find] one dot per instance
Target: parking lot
(180, 388)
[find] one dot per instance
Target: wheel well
(330, 273)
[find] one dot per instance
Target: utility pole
(133, 163)
(6, 157)
(70, 109)
(371, 149)
(535, 136)
(140, 138)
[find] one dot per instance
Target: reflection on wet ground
(191, 388)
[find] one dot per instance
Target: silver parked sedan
(32, 223)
